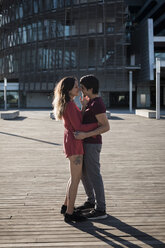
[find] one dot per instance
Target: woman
(66, 109)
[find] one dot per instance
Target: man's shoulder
(98, 106)
(97, 100)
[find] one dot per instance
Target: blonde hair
(61, 96)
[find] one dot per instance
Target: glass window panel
(12, 99)
(110, 11)
(109, 52)
(20, 35)
(46, 29)
(8, 19)
(52, 58)
(34, 31)
(33, 59)
(54, 4)
(1, 65)
(28, 60)
(100, 27)
(23, 59)
(60, 29)
(91, 53)
(109, 28)
(40, 58)
(1, 99)
(15, 37)
(68, 23)
(67, 30)
(12, 39)
(119, 16)
(83, 1)
(52, 28)
(92, 20)
(75, 1)
(35, 5)
(47, 4)
(2, 20)
(10, 61)
(83, 54)
(100, 52)
(60, 3)
(73, 51)
(29, 7)
(83, 21)
(73, 58)
(67, 58)
(40, 5)
(45, 59)
(119, 51)
(59, 54)
(12, 12)
(40, 31)
(9, 40)
(75, 23)
(68, 2)
(24, 37)
(17, 12)
(21, 10)
(29, 33)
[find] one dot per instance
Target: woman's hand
(84, 101)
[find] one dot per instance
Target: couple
(82, 144)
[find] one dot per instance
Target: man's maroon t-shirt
(94, 107)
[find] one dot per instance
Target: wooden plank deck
(34, 173)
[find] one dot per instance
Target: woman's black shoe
(63, 209)
(75, 217)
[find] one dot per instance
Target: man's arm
(103, 127)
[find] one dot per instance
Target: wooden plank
(34, 174)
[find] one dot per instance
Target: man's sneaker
(75, 217)
(87, 205)
(96, 215)
(63, 209)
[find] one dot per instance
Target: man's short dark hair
(90, 82)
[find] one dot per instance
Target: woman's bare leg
(67, 188)
(75, 171)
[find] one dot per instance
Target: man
(95, 111)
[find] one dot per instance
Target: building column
(130, 91)
(157, 88)
(5, 93)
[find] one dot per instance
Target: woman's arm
(84, 101)
(75, 120)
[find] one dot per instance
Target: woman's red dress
(73, 122)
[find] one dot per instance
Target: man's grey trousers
(91, 177)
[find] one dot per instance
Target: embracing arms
(75, 120)
(103, 127)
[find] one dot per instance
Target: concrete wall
(105, 97)
(143, 97)
(38, 100)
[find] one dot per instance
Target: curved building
(43, 41)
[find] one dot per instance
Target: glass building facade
(42, 41)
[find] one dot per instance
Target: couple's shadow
(103, 230)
